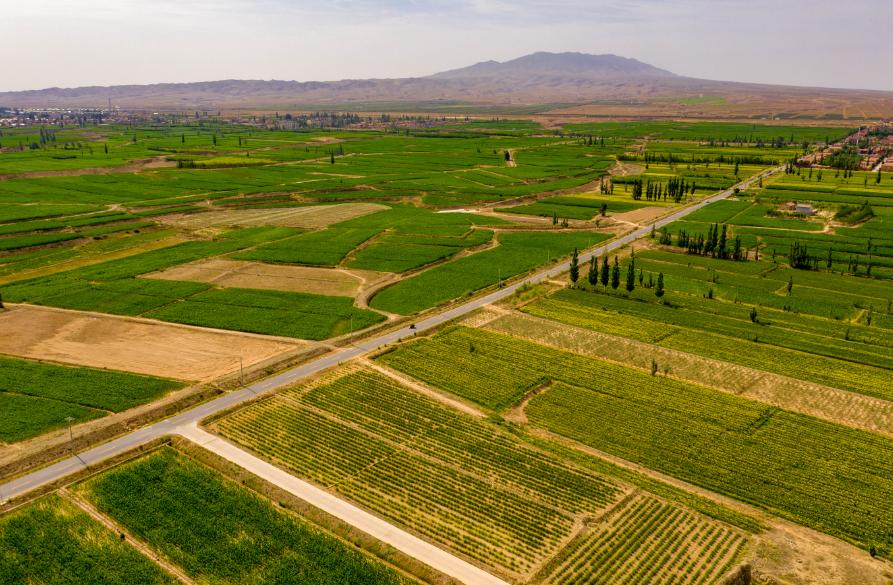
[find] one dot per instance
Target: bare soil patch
(642, 215)
(132, 345)
(790, 554)
(623, 169)
(242, 274)
(309, 217)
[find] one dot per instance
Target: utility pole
(69, 420)
(241, 371)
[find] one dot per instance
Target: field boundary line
(137, 544)
(427, 321)
(423, 389)
(763, 388)
(403, 541)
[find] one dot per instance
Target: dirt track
(122, 343)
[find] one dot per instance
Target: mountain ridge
(553, 64)
(534, 79)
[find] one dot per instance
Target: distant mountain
(602, 85)
(554, 65)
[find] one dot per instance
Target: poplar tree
(659, 288)
(630, 277)
(615, 274)
(721, 252)
(592, 275)
(606, 272)
(575, 267)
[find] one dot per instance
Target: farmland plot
(649, 541)
(52, 542)
(453, 478)
(218, 532)
(516, 254)
(307, 217)
(37, 397)
(826, 476)
(107, 341)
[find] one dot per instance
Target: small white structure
(804, 209)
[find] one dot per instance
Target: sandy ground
(242, 274)
(310, 217)
(121, 343)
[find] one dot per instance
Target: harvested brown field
(642, 215)
(309, 217)
(132, 345)
(306, 279)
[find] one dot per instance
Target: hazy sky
(68, 43)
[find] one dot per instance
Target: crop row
(453, 478)
(516, 254)
(218, 532)
(52, 542)
(648, 541)
(827, 476)
(787, 352)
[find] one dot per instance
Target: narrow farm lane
(417, 548)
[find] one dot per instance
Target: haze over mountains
(608, 81)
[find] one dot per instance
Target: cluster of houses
(874, 143)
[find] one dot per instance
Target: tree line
(676, 188)
(715, 244)
(604, 273)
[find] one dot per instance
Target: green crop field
(270, 312)
(39, 397)
(323, 248)
(824, 475)
(402, 252)
(732, 132)
(52, 542)
(670, 545)
(115, 287)
(576, 207)
(516, 253)
(825, 357)
(218, 532)
(453, 478)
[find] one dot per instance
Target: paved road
(415, 547)
(170, 425)
(184, 422)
